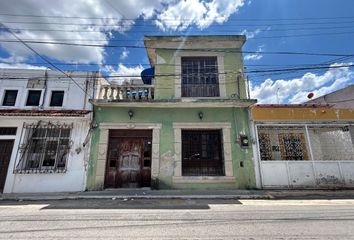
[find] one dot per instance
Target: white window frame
(49, 97)
(3, 96)
(27, 94)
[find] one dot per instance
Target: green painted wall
(238, 117)
(232, 65)
(164, 85)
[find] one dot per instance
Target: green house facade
(185, 126)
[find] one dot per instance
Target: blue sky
(302, 26)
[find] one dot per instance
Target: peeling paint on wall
(167, 164)
(245, 175)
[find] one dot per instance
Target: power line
(46, 60)
(253, 38)
(112, 26)
(172, 19)
(224, 73)
(164, 64)
(292, 71)
(175, 25)
(198, 50)
(229, 32)
(225, 30)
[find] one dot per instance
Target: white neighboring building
(45, 121)
(303, 146)
(342, 98)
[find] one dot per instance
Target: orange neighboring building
(303, 146)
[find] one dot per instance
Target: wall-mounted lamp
(94, 125)
(130, 113)
(200, 115)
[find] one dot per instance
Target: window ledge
(40, 171)
(203, 179)
(193, 99)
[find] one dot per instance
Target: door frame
(116, 137)
(2, 188)
(103, 148)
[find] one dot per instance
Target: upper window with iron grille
(200, 77)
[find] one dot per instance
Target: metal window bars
(306, 142)
(202, 153)
(199, 77)
(45, 148)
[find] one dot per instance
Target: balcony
(127, 92)
(130, 95)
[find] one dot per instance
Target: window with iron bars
(201, 153)
(311, 142)
(282, 143)
(200, 77)
(45, 148)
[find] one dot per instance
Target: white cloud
(296, 90)
(123, 73)
(255, 56)
(12, 59)
(97, 20)
(124, 54)
(183, 14)
(250, 34)
(20, 66)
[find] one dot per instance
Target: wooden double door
(129, 159)
(5, 155)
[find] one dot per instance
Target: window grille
(200, 77)
(282, 143)
(326, 142)
(45, 148)
(201, 153)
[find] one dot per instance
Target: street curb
(126, 197)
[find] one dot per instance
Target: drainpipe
(248, 88)
(86, 86)
(238, 84)
(45, 89)
(87, 140)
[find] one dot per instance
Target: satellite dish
(310, 95)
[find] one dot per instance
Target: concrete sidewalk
(183, 194)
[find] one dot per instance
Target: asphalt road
(177, 219)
